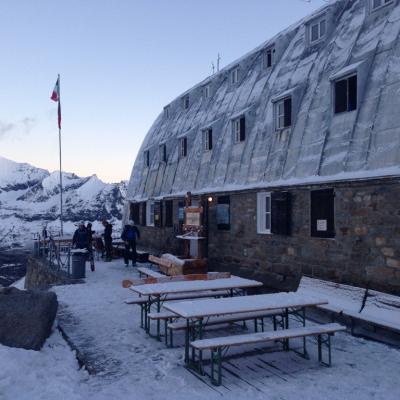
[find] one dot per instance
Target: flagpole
(59, 144)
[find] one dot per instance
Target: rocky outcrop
(26, 317)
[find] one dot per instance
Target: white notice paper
(322, 225)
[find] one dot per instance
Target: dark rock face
(26, 317)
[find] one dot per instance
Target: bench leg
(326, 342)
(216, 363)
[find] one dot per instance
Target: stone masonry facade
(364, 252)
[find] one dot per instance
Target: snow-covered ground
(131, 365)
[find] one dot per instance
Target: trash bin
(79, 258)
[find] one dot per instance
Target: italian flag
(55, 96)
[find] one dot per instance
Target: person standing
(80, 239)
(90, 246)
(129, 236)
(108, 239)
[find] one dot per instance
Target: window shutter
(287, 105)
(352, 82)
(168, 213)
(341, 96)
(158, 214)
(135, 212)
(323, 213)
(210, 143)
(144, 213)
(242, 129)
(224, 213)
(280, 213)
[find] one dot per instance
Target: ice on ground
(131, 365)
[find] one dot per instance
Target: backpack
(131, 234)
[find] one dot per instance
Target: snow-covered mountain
(30, 199)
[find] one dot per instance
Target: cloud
(23, 126)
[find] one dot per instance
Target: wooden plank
(127, 283)
(240, 304)
(253, 338)
(173, 287)
(160, 261)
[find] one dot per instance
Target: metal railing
(56, 251)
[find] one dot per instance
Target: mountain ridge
(30, 200)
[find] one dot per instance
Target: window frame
(147, 158)
(317, 22)
(262, 213)
(183, 147)
(166, 112)
(333, 232)
(207, 133)
(239, 136)
(169, 213)
(223, 201)
(345, 78)
(281, 116)
(384, 3)
(150, 212)
(186, 102)
(269, 50)
(234, 76)
(206, 91)
(163, 153)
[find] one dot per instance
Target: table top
(158, 289)
(241, 304)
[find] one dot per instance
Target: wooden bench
(143, 302)
(229, 319)
(355, 304)
(217, 345)
(149, 273)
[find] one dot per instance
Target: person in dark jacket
(129, 236)
(80, 239)
(108, 239)
(90, 244)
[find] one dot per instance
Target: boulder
(26, 317)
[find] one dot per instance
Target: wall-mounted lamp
(210, 199)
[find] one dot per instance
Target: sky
(121, 62)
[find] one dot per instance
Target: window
(150, 213)
(323, 213)
(346, 94)
(166, 111)
(317, 30)
(185, 102)
(144, 214)
(168, 213)
(207, 139)
(235, 76)
(147, 158)
(375, 4)
(163, 153)
(181, 212)
(274, 213)
(264, 212)
(157, 214)
(223, 213)
(269, 57)
(135, 212)
(183, 147)
(239, 129)
(283, 113)
(206, 91)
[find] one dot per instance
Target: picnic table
(195, 311)
(157, 293)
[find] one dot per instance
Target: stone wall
(40, 276)
(364, 252)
